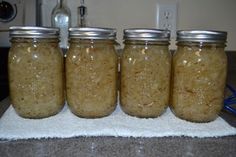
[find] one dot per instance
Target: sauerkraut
(145, 79)
(91, 78)
(36, 77)
(199, 75)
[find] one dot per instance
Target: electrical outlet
(166, 17)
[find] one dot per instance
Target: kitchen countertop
(113, 146)
(121, 146)
(124, 146)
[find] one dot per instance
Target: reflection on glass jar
(145, 72)
(199, 75)
(35, 67)
(91, 72)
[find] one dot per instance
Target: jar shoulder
(35, 52)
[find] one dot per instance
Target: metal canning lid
(201, 36)
(34, 32)
(92, 33)
(146, 34)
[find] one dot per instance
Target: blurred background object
(82, 14)
(61, 18)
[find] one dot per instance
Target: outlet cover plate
(166, 17)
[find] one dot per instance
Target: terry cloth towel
(118, 124)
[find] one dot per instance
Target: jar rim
(92, 33)
(33, 32)
(201, 36)
(149, 34)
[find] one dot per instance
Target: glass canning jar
(35, 66)
(199, 75)
(145, 72)
(91, 72)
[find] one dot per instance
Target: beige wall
(209, 14)
(120, 14)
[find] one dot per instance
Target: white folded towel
(118, 124)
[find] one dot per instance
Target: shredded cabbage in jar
(145, 80)
(36, 78)
(199, 76)
(91, 79)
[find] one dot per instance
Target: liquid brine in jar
(199, 75)
(145, 72)
(91, 72)
(35, 66)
